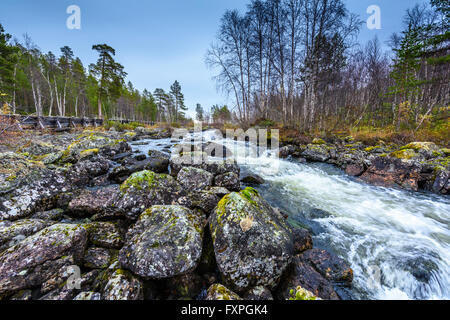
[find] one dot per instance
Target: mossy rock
(405, 154)
(219, 292)
(418, 146)
(318, 141)
(300, 293)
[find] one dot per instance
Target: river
(397, 242)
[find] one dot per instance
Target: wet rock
(219, 292)
(391, 172)
(440, 182)
(317, 152)
(302, 240)
(194, 179)
(355, 170)
(165, 242)
(98, 202)
(86, 295)
(286, 151)
(229, 180)
(302, 274)
(122, 285)
(12, 233)
(105, 234)
(252, 179)
(200, 160)
(97, 258)
(252, 242)
(213, 149)
(258, 293)
(39, 257)
(329, 265)
(146, 188)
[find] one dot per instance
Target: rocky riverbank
(415, 166)
(83, 217)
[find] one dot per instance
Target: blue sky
(158, 42)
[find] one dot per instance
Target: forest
(294, 63)
(298, 63)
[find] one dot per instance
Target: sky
(157, 41)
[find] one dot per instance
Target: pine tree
(8, 58)
(199, 112)
(178, 99)
(109, 73)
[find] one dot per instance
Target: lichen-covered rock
(441, 182)
(88, 295)
(194, 179)
(302, 274)
(37, 258)
(392, 172)
(53, 215)
(100, 202)
(200, 160)
(103, 145)
(330, 266)
(81, 173)
(219, 292)
(105, 234)
(252, 179)
(26, 186)
(229, 180)
(203, 200)
(97, 258)
(258, 293)
(122, 285)
(317, 152)
(145, 189)
(155, 164)
(165, 242)
(12, 233)
(252, 242)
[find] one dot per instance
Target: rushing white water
(397, 242)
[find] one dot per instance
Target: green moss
(318, 141)
(140, 180)
(301, 294)
(88, 152)
(416, 146)
(404, 154)
(446, 151)
(370, 149)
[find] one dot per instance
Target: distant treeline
(297, 62)
(49, 84)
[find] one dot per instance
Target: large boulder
(317, 153)
(39, 257)
(194, 179)
(200, 160)
(165, 242)
(145, 189)
(229, 180)
(252, 242)
(302, 273)
(12, 233)
(393, 172)
(329, 266)
(27, 186)
(98, 202)
(105, 234)
(122, 285)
